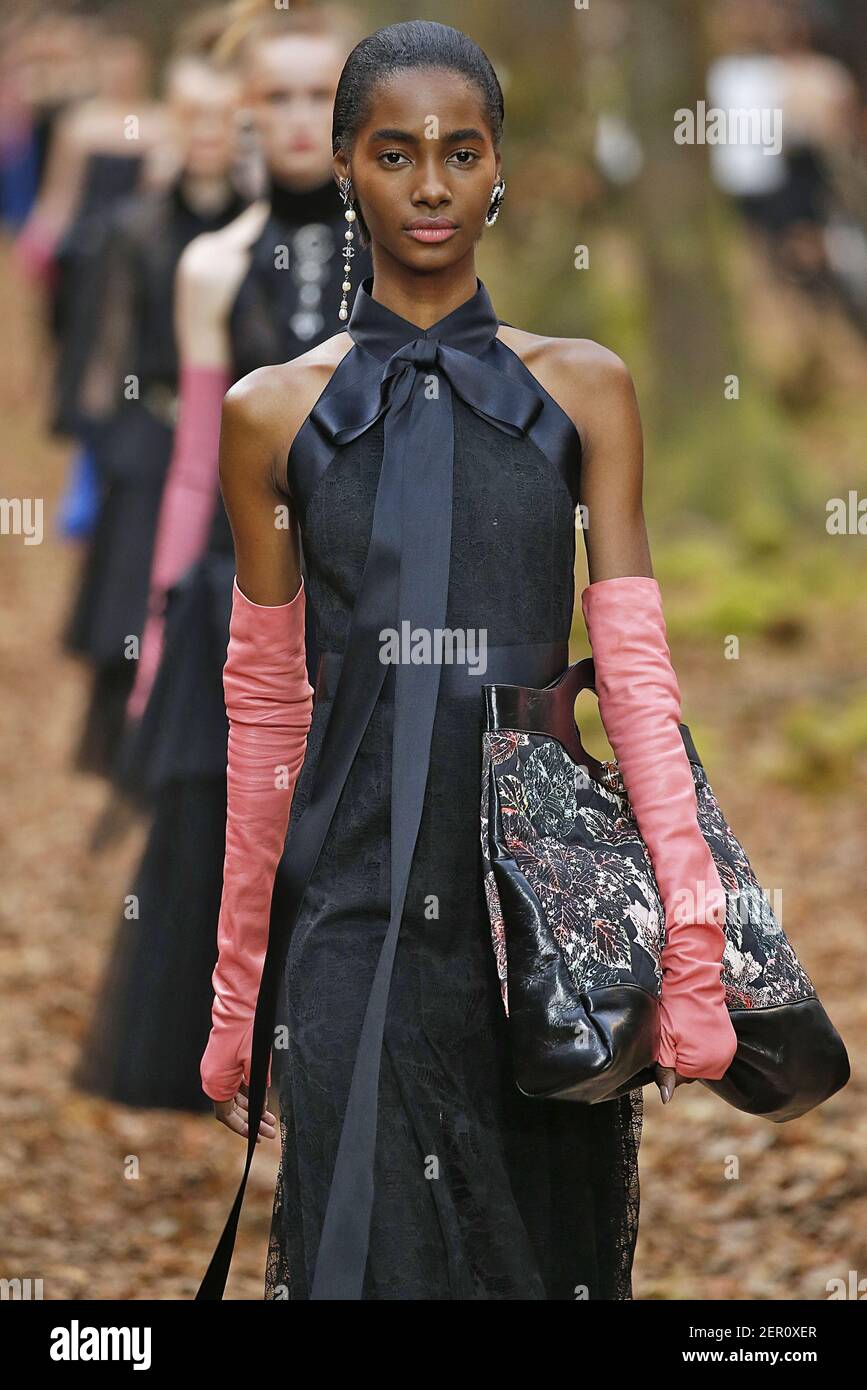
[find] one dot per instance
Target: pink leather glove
(35, 250)
(639, 702)
(186, 510)
(269, 701)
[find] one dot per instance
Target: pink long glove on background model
(640, 706)
(186, 510)
(35, 251)
(269, 701)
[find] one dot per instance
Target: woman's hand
(150, 652)
(667, 1079)
(234, 1114)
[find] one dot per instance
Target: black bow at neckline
(381, 332)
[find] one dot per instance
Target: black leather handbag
(578, 925)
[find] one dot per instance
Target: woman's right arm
(204, 283)
(269, 703)
(51, 216)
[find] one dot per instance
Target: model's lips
(432, 229)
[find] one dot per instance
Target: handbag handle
(549, 709)
(581, 675)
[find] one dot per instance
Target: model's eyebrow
(450, 138)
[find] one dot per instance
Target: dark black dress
(108, 179)
(153, 1015)
(412, 1168)
(134, 363)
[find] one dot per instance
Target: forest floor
(731, 1207)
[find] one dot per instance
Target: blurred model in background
(261, 291)
(794, 199)
(128, 396)
(45, 65)
(101, 150)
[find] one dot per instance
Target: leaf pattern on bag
(545, 792)
(760, 967)
(604, 912)
(505, 744)
(578, 847)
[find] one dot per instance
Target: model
(433, 458)
(256, 292)
(129, 385)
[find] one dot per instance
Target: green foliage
(737, 462)
(824, 741)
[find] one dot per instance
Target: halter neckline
(382, 332)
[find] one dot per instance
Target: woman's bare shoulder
(585, 378)
(273, 402)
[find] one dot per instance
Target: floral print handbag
(578, 924)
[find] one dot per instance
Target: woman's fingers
(665, 1078)
(668, 1079)
(244, 1103)
(268, 1122)
(227, 1112)
(234, 1114)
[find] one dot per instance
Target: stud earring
(345, 189)
(497, 195)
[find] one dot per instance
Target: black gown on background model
(108, 179)
(133, 369)
(412, 1168)
(153, 1015)
(74, 312)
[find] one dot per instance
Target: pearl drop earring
(345, 188)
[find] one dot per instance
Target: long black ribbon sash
(406, 576)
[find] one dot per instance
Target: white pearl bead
(350, 214)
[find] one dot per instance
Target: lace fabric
(479, 1192)
(589, 1258)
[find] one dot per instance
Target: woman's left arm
(640, 706)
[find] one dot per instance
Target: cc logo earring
(345, 188)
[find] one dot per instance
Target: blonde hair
(200, 35)
(251, 22)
